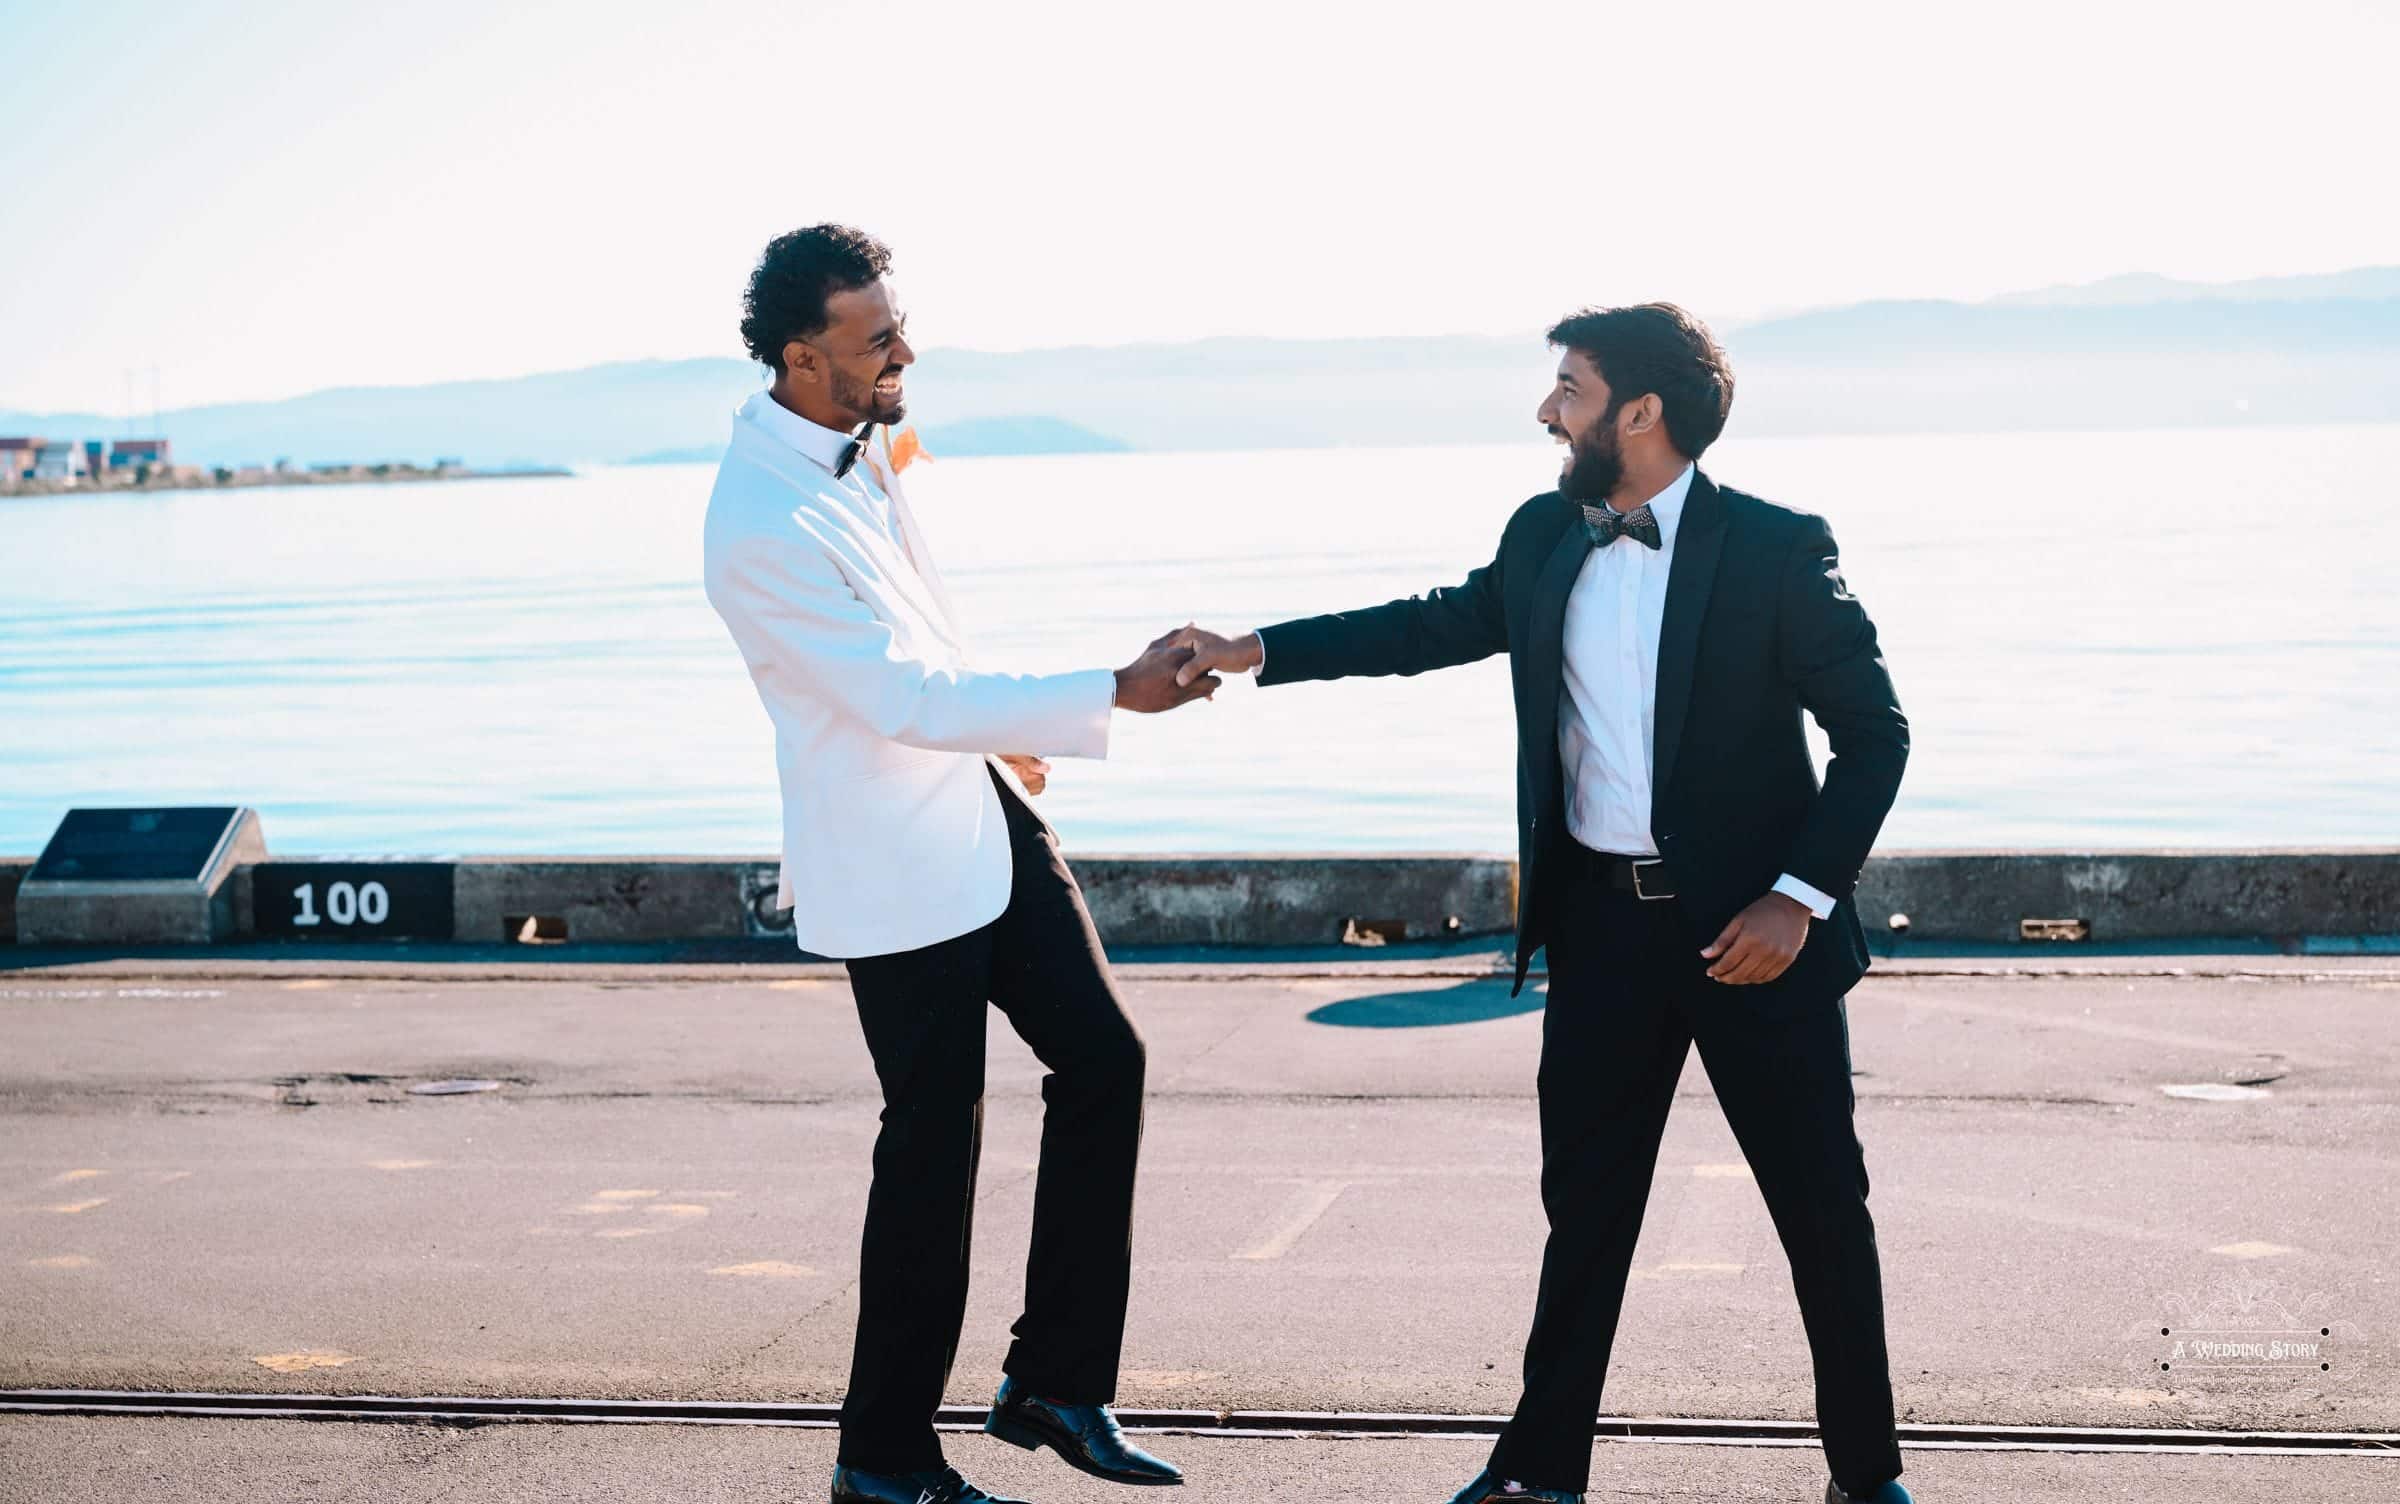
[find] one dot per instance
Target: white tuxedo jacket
(893, 837)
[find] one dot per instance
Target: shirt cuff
(1801, 893)
(1262, 652)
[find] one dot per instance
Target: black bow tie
(852, 450)
(1606, 526)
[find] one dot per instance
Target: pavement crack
(732, 1365)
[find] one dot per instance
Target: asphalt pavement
(222, 1180)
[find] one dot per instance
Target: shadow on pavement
(1467, 1003)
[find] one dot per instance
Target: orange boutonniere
(904, 450)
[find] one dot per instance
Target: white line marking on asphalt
(2252, 1250)
(75, 1175)
(2215, 1091)
(1314, 1199)
(70, 1208)
(62, 1261)
(303, 1362)
(768, 1269)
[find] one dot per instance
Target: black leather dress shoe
(1486, 1486)
(1085, 1435)
(1890, 1493)
(942, 1485)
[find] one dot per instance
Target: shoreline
(192, 478)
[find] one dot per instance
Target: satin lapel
(1546, 645)
(919, 554)
(1690, 578)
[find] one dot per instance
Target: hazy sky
(264, 198)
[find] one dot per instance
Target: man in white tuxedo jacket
(911, 851)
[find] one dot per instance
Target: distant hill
(607, 412)
(2127, 352)
(980, 436)
(2372, 282)
(1883, 330)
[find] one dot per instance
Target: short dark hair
(786, 297)
(1657, 347)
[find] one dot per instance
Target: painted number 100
(366, 903)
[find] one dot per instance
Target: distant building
(60, 459)
(77, 459)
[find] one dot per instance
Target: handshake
(1175, 670)
(1182, 667)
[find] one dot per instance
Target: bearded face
(1595, 463)
(881, 399)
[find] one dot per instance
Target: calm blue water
(2137, 639)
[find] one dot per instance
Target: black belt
(1645, 877)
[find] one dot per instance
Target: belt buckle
(1638, 891)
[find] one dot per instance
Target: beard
(1595, 463)
(863, 402)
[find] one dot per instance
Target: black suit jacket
(1759, 627)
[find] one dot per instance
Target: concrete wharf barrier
(2045, 900)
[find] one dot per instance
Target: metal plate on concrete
(138, 877)
(354, 900)
(134, 845)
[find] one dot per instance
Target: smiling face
(1581, 413)
(857, 361)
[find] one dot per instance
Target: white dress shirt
(1608, 708)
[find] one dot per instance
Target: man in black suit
(1688, 874)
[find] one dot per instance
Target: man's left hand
(1760, 943)
(1032, 772)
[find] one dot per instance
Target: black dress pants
(1629, 995)
(1041, 963)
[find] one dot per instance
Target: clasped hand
(1164, 677)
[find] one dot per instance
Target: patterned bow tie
(1607, 527)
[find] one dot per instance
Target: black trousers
(1629, 995)
(1041, 963)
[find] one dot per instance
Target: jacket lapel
(1546, 649)
(887, 552)
(920, 554)
(1693, 574)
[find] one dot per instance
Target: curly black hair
(1657, 347)
(786, 297)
